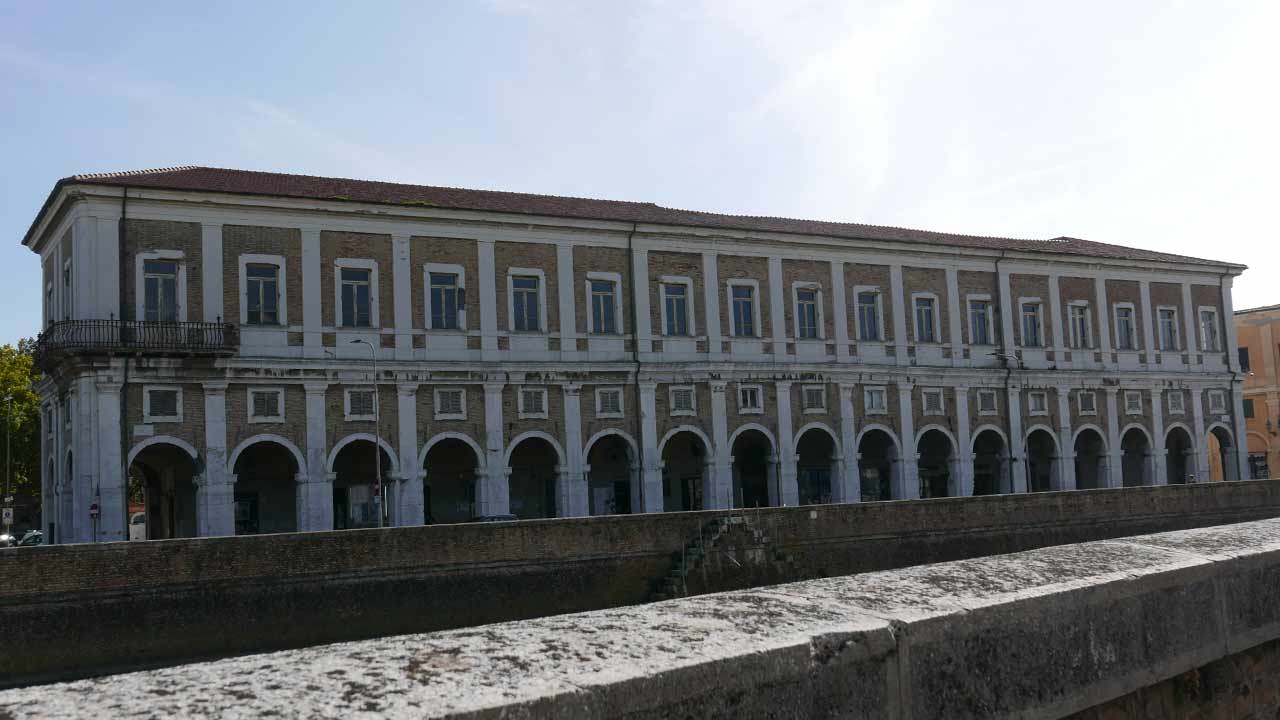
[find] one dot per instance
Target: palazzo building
(209, 342)
(1258, 331)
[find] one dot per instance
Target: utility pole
(377, 432)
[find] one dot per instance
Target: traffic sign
(93, 511)
(8, 516)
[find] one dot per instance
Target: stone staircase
(728, 546)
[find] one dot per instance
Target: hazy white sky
(1137, 123)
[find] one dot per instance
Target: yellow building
(1258, 332)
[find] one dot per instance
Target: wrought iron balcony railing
(112, 336)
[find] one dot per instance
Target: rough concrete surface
(1042, 633)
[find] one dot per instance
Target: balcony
(109, 337)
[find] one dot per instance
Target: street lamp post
(377, 431)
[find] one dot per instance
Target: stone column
(1159, 467)
(1066, 448)
(711, 304)
(1189, 323)
(788, 483)
(840, 311)
(565, 288)
(486, 269)
(211, 273)
(643, 333)
(650, 460)
(1231, 343)
(1017, 443)
(1148, 323)
(847, 485)
(402, 288)
(955, 316)
(908, 486)
(408, 506)
(721, 468)
(493, 492)
(1201, 434)
(1239, 431)
(1059, 343)
(571, 491)
(777, 309)
(1006, 313)
(84, 444)
(215, 495)
(1115, 454)
(1104, 320)
(899, 315)
(312, 337)
(315, 493)
(964, 453)
(113, 489)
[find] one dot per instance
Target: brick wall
(586, 259)
(361, 246)
(151, 235)
(1031, 286)
(1074, 289)
(536, 257)
(733, 267)
(808, 271)
(240, 240)
(873, 275)
(928, 280)
(678, 265)
(448, 251)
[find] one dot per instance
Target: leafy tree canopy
(21, 417)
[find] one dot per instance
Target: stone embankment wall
(1039, 634)
(76, 610)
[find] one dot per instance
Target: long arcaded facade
(208, 340)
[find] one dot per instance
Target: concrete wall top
(1036, 634)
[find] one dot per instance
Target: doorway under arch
(1042, 461)
(684, 472)
(816, 466)
(1091, 459)
(164, 475)
(990, 464)
(1222, 460)
(449, 482)
(612, 485)
(877, 464)
(266, 491)
(937, 462)
(356, 500)
(534, 464)
(1180, 456)
(1135, 458)
(753, 476)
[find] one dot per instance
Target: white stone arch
(955, 446)
(164, 440)
(973, 439)
(1179, 426)
(795, 440)
(337, 448)
(1041, 426)
(515, 442)
(1223, 426)
(1102, 435)
(773, 442)
(298, 457)
(631, 443)
(452, 435)
(1145, 433)
(706, 442)
(897, 446)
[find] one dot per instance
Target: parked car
(138, 526)
(32, 538)
(8, 540)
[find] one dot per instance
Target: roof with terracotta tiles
(248, 182)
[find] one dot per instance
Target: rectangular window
(262, 290)
(446, 300)
(1209, 330)
(1088, 402)
(1081, 335)
(356, 307)
(875, 400)
(869, 316)
(980, 322)
(926, 330)
(814, 398)
(161, 404)
(603, 296)
(1031, 325)
(450, 404)
(682, 401)
(807, 313)
(987, 402)
(750, 399)
(1126, 334)
(1244, 359)
(1217, 402)
(609, 402)
(533, 403)
(524, 296)
(160, 289)
(1248, 408)
(744, 311)
(1132, 402)
(932, 400)
(266, 405)
(361, 404)
(1168, 328)
(1038, 403)
(1175, 403)
(675, 297)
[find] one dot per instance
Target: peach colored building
(1258, 335)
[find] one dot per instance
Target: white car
(138, 526)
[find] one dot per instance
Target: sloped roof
(248, 182)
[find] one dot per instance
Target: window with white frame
(604, 291)
(1217, 402)
(683, 400)
(446, 296)
(160, 403)
(357, 293)
(532, 403)
(1209, 340)
(1038, 402)
(1126, 329)
(1132, 402)
(266, 405)
(875, 400)
(814, 398)
(262, 280)
(360, 404)
(677, 306)
(926, 317)
(987, 404)
(450, 403)
(808, 308)
(526, 299)
(743, 308)
(1175, 402)
(160, 290)
(750, 399)
(1032, 324)
(980, 331)
(870, 325)
(609, 402)
(1087, 402)
(932, 401)
(1081, 325)
(1168, 324)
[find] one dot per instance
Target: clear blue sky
(1145, 124)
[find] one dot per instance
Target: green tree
(21, 417)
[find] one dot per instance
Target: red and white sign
(93, 511)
